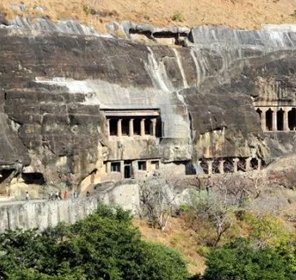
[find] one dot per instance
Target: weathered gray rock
(45, 25)
(270, 38)
(58, 82)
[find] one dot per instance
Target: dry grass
(235, 13)
(177, 236)
(191, 239)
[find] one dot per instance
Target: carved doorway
(127, 169)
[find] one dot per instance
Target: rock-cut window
(142, 165)
(115, 166)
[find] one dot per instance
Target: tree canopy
(103, 246)
(242, 260)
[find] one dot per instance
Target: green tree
(103, 246)
(241, 260)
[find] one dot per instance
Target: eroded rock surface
(81, 109)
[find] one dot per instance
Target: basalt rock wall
(56, 85)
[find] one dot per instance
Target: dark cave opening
(292, 119)
(4, 174)
(228, 166)
(137, 126)
(148, 127)
(113, 127)
(280, 120)
(33, 178)
(125, 127)
(254, 163)
(269, 120)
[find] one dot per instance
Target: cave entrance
(125, 127)
(292, 119)
(33, 178)
(228, 166)
(127, 169)
(259, 113)
(189, 168)
(4, 174)
(280, 119)
(113, 127)
(254, 163)
(204, 165)
(241, 165)
(269, 120)
(137, 126)
(148, 127)
(159, 132)
(215, 167)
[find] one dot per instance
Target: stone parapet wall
(44, 214)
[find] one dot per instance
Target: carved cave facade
(153, 110)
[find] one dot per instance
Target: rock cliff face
(77, 108)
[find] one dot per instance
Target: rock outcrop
(80, 108)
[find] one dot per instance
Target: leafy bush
(241, 260)
(211, 215)
(103, 246)
(89, 10)
(267, 230)
(178, 16)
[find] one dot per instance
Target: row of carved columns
(277, 118)
(233, 165)
(131, 130)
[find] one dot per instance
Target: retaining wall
(43, 214)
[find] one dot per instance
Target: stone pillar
(207, 152)
(210, 167)
(122, 169)
(142, 127)
(263, 119)
(286, 120)
(221, 166)
(108, 127)
(153, 121)
(108, 167)
(235, 162)
(119, 128)
(134, 168)
(248, 164)
(131, 127)
(274, 120)
(259, 164)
